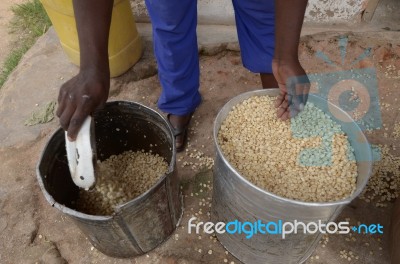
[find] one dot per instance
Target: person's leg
(255, 22)
(268, 80)
(175, 46)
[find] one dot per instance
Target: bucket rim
(274, 92)
(119, 208)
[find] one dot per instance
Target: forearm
(289, 16)
(93, 19)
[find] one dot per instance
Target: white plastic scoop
(81, 155)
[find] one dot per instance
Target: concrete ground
(31, 231)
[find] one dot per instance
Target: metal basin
(141, 224)
(235, 198)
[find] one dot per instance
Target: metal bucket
(141, 224)
(235, 198)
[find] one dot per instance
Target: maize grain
(276, 155)
(382, 187)
(121, 178)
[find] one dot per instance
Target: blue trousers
(175, 46)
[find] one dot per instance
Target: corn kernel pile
(383, 186)
(119, 179)
(276, 155)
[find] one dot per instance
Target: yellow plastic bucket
(124, 45)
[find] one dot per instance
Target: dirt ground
(31, 231)
(5, 17)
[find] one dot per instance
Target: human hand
(80, 97)
(294, 87)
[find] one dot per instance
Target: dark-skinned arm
(290, 75)
(87, 91)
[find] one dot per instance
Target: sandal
(180, 132)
